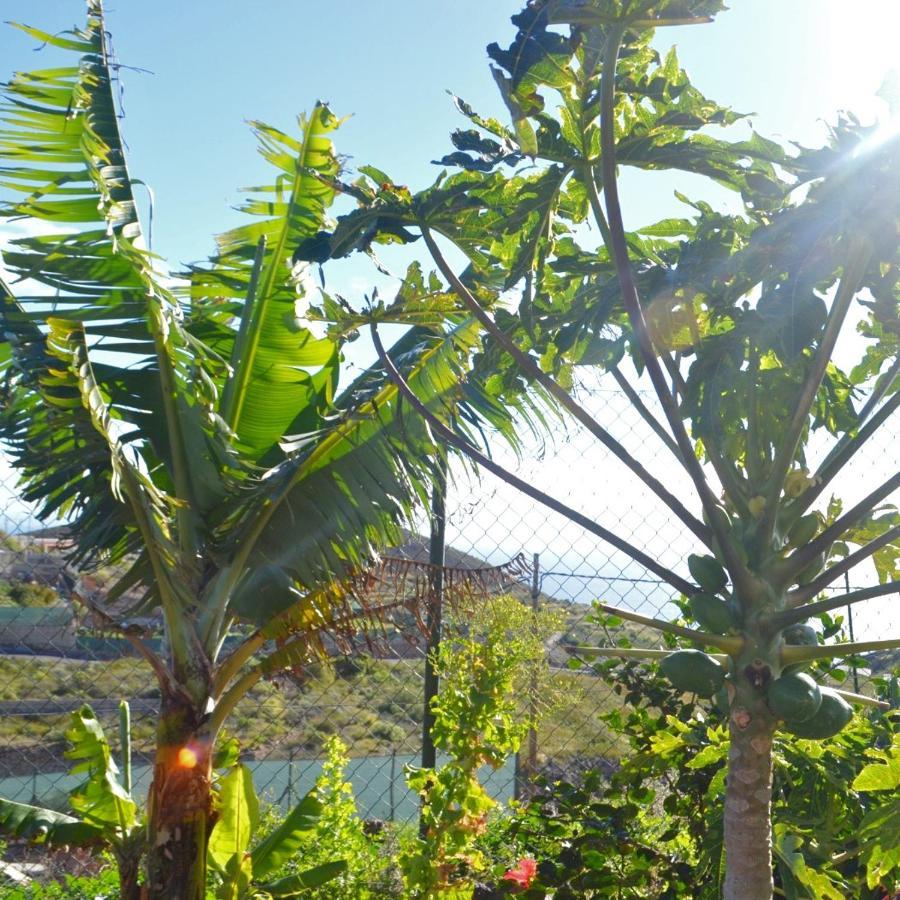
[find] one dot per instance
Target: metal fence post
(850, 629)
(290, 784)
(391, 788)
(436, 557)
(525, 773)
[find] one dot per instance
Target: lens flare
(187, 758)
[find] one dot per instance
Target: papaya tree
(195, 435)
(730, 320)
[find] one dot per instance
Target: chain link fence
(53, 658)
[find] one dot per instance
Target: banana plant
(244, 872)
(728, 320)
(196, 436)
(106, 814)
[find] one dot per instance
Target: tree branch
(757, 458)
(635, 399)
(845, 565)
(801, 613)
(858, 257)
(230, 699)
(739, 572)
(163, 675)
(882, 386)
(231, 665)
(531, 368)
(446, 434)
(728, 643)
(805, 555)
(845, 449)
(861, 699)
(630, 652)
(679, 388)
(792, 653)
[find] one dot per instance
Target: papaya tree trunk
(180, 813)
(748, 799)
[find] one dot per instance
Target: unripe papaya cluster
(804, 708)
(801, 705)
(713, 613)
(799, 535)
(694, 671)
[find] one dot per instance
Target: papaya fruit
(711, 613)
(799, 636)
(807, 574)
(721, 701)
(795, 697)
(757, 506)
(708, 573)
(803, 530)
(832, 715)
(797, 482)
(693, 672)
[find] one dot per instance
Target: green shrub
(340, 833)
(493, 673)
(102, 886)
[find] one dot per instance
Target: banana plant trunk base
(748, 807)
(129, 877)
(179, 807)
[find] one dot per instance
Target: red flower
(523, 874)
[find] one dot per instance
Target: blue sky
(217, 64)
(793, 63)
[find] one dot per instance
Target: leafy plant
(25, 593)
(103, 886)
(480, 720)
(106, 815)
(246, 873)
(340, 832)
(654, 827)
(191, 436)
(729, 320)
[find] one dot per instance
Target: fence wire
(53, 658)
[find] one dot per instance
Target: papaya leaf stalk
(806, 611)
(485, 462)
(531, 368)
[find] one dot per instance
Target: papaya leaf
(883, 775)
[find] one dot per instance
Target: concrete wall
(48, 629)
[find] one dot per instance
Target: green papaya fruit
(708, 573)
(799, 636)
(807, 574)
(721, 701)
(693, 672)
(711, 613)
(803, 530)
(795, 697)
(832, 715)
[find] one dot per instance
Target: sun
(859, 40)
